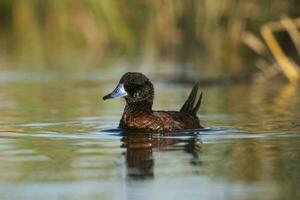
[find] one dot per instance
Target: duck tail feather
(189, 105)
(197, 106)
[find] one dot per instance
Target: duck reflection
(140, 147)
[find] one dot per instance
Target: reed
(206, 33)
(283, 64)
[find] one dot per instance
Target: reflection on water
(58, 141)
(141, 146)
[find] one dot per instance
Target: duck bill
(118, 92)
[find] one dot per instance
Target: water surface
(58, 140)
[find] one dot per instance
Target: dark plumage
(138, 92)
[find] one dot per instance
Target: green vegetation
(86, 33)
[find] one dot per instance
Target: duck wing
(192, 104)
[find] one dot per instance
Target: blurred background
(193, 38)
(59, 57)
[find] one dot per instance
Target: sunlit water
(58, 140)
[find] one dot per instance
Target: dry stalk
(291, 28)
(290, 69)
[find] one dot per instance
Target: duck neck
(138, 108)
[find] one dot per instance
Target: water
(58, 140)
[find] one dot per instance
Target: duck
(138, 92)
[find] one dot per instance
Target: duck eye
(130, 89)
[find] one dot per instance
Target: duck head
(134, 87)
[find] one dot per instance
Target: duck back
(160, 121)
